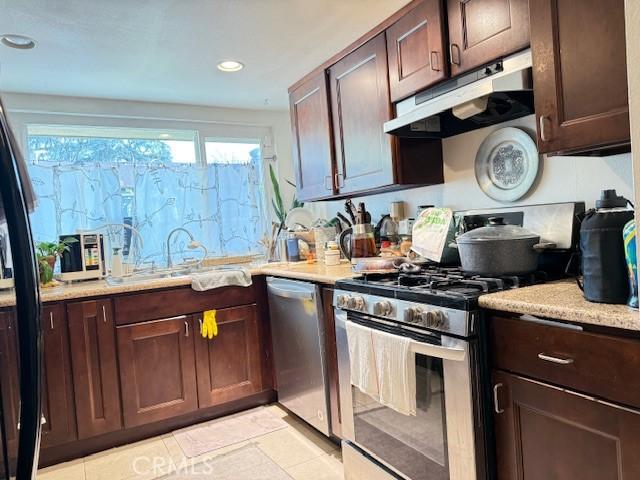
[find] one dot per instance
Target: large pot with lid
(500, 249)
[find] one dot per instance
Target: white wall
(561, 179)
(26, 108)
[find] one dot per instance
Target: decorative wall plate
(507, 164)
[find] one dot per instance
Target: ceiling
(167, 50)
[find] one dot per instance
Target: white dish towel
(224, 277)
(362, 360)
(396, 371)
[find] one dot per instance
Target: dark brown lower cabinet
(229, 366)
(95, 367)
(548, 433)
(10, 380)
(58, 406)
(157, 370)
(331, 354)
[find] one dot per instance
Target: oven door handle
(432, 350)
(437, 351)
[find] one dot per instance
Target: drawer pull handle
(104, 314)
(496, 403)
(186, 329)
(51, 319)
(451, 56)
(200, 323)
(542, 123)
(559, 361)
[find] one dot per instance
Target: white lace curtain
(222, 204)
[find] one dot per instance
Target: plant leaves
(277, 201)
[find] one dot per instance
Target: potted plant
(47, 253)
(279, 210)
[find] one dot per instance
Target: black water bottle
(604, 267)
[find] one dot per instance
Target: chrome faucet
(192, 244)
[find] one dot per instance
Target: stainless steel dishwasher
(297, 329)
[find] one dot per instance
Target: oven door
(439, 442)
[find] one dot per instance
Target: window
(152, 180)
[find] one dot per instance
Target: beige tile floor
(301, 451)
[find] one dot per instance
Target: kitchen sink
(176, 272)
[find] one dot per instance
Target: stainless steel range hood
(493, 94)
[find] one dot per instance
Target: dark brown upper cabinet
(416, 50)
(483, 30)
(312, 139)
(360, 105)
(579, 74)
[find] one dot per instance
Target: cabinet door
(579, 73)
(58, 409)
(483, 30)
(229, 365)
(95, 367)
(416, 50)
(10, 384)
(157, 370)
(312, 139)
(544, 432)
(360, 105)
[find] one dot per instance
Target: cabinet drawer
(597, 364)
(142, 307)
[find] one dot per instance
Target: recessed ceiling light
(230, 66)
(165, 135)
(17, 41)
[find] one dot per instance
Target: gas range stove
(436, 299)
(441, 286)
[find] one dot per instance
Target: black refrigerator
(20, 330)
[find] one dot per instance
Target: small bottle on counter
(116, 263)
(331, 254)
(293, 249)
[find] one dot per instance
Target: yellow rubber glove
(209, 324)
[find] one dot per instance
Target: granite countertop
(561, 300)
(316, 272)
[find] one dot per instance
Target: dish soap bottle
(629, 235)
(116, 263)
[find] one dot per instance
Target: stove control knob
(434, 319)
(342, 301)
(351, 302)
(383, 308)
(412, 314)
(359, 304)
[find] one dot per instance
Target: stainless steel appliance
(22, 335)
(298, 336)
(84, 259)
(495, 93)
(436, 307)
(446, 438)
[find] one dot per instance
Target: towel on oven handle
(396, 371)
(361, 359)
(383, 366)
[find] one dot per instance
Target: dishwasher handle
(288, 289)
